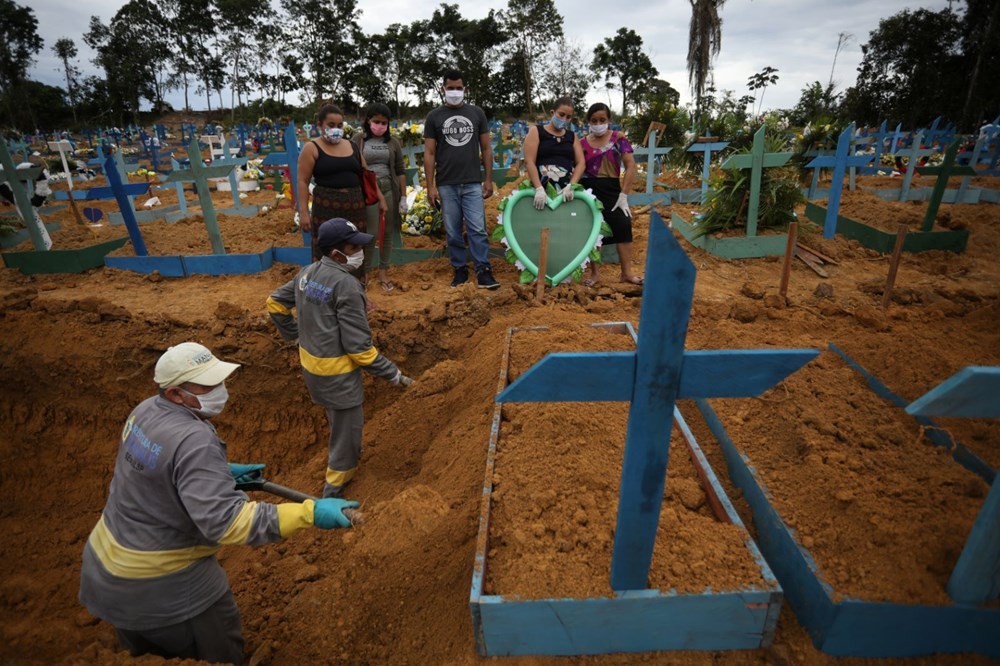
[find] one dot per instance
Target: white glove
(623, 205)
(540, 198)
(400, 379)
(567, 193)
(403, 208)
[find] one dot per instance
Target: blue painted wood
(973, 392)
(913, 155)
(106, 192)
(169, 266)
(589, 377)
(289, 158)
(36, 228)
(706, 149)
(962, 455)
(976, 577)
(293, 255)
(652, 155)
(125, 206)
(227, 264)
(851, 627)
(640, 621)
(840, 161)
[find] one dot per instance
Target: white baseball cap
(191, 362)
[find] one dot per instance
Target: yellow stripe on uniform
(129, 563)
(239, 530)
(293, 517)
(274, 307)
(366, 357)
(337, 478)
(336, 365)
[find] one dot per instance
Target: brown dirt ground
(77, 355)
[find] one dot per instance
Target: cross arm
(973, 392)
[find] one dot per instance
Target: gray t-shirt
(457, 133)
(377, 156)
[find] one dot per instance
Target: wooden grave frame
(854, 627)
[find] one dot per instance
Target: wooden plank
(543, 261)
(786, 268)
(811, 263)
(62, 261)
(976, 577)
(819, 255)
(167, 266)
(228, 264)
(972, 392)
(738, 247)
(897, 252)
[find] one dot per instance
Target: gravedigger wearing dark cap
(334, 342)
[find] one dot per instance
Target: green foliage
(622, 57)
(18, 47)
(47, 104)
(816, 103)
(726, 204)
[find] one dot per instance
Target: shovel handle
(353, 515)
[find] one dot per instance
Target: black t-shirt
(457, 132)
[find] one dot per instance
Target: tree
(760, 81)
(65, 50)
(18, 47)
(981, 50)
(622, 56)
(564, 74)
(704, 42)
(533, 26)
(327, 44)
(241, 29)
(815, 102)
(470, 45)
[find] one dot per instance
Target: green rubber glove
(328, 513)
(246, 472)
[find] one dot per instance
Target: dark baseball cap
(336, 231)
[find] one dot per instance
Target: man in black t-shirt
(454, 135)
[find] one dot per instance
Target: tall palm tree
(704, 41)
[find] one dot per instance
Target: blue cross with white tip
(652, 378)
(840, 161)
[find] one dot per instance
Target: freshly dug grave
(884, 512)
(555, 498)
(864, 206)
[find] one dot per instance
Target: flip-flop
(635, 279)
(387, 285)
(591, 282)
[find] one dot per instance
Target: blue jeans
(465, 203)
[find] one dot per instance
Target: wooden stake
(897, 252)
(543, 259)
(786, 270)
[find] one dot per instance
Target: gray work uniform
(335, 343)
(150, 561)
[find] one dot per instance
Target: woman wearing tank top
(553, 155)
(336, 166)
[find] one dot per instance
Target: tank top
(338, 172)
(555, 151)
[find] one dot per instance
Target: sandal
(387, 285)
(591, 282)
(635, 279)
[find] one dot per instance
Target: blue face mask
(333, 134)
(559, 123)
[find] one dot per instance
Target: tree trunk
(967, 122)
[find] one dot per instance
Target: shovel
(258, 482)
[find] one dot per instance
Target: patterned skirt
(327, 203)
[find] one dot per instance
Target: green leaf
(577, 275)
(510, 256)
(577, 187)
(600, 204)
(525, 185)
(595, 255)
(526, 277)
(606, 230)
(550, 190)
(498, 233)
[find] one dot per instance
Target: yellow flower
(428, 218)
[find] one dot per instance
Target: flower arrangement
(265, 123)
(409, 133)
(422, 219)
(527, 277)
(253, 170)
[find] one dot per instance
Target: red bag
(369, 179)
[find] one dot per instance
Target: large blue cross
(652, 378)
(652, 154)
(913, 155)
(289, 158)
(840, 161)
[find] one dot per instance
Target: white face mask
(354, 261)
(598, 130)
(454, 97)
(333, 134)
(212, 402)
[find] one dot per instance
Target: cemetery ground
(885, 512)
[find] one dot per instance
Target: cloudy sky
(798, 37)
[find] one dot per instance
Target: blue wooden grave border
(854, 627)
(630, 621)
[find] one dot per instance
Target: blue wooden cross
(879, 138)
(992, 136)
(947, 169)
(122, 193)
(288, 160)
(973, 161)
(913, 155)
(652, 155)
(756, 161)
(652, 378)
(813, 191)
(840, 162)
(706, 149)
(899, 138)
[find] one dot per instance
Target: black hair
(376, 109)
(453, 75)
(563, 101)
(327, 110)
(594, 108)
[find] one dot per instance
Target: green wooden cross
(756, 161)
(650, 152)
(947, 169)
(13, 176)
(199, 174)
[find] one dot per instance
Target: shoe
(486, 279)
(461, 277)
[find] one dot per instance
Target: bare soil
(77, 353)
